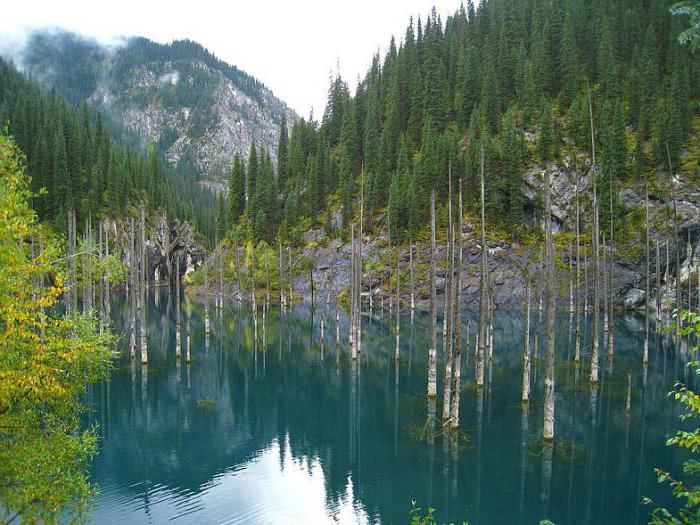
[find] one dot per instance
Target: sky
(293, 47)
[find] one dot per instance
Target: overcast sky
(291, 46)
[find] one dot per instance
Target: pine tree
(236, 191)
(252, 174)
(283, 153)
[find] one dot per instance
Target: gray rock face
(209, 136)
(634, 298)
(198, 109)
(165, 242)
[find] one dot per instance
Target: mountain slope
(199, 110)
(76, 165)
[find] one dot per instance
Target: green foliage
(424, 517)
(46, 360)
(688, 495)
(480, 79)
(691, 36)
(73, 155)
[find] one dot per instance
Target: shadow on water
(286, 428)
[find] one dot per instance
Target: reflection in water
(265, 424)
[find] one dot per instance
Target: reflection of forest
(183, 425)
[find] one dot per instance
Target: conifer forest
(467, 291)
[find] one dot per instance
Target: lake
(285, 428)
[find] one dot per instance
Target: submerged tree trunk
(456, 384)
(353, 280)
(577, 301)
(594, 271)
(645, 356)
(413, 295)
(238, 275)
(178, 333)
(449, 312)
(611, 262)
(398, 310)
(432, 350)
(482, 295)
(143, 273)
(525, 396)
(133, 272)
(548, 426)
(281, 275)
(658, 279)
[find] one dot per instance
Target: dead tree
(143, 277)
(432, 349)
(577, 337)
(525, 396)
(482, 292)
(398, 310)
(133, 273)
(238, 274)
(611, 262)
(457, 364)
(596, 234)
(548, 426)
(449, 311)
(645, 356)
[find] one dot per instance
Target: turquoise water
(288, 430)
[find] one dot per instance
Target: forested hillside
(71, 154)
(515, 76)
(196, 109)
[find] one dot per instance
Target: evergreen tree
(283, 153)
(236, 191)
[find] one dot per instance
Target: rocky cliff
(510, 261)
(166, 242)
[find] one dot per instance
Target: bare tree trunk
(571, 278)
(645, 357)
(413, 295)
(525, 397)
(449, 311)
(178, 345)
(238, 274)
(677, 240)
(353, 294)
(358, 338)
(432, 349)
(611, 262)
(253, 297)
(143, 277)
(585, 280)
(290, 297)
(222, 255)
(206, 300)
(456, 384)
(596, 234)
(188, 335)
(133, 273)
(548, 426)
(398, 310)
(658, 279)
(267, 278)
(577, 304)
(604, 286)
(482, 295)
(281, 275)
(689, 258)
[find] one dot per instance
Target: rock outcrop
(165, 242)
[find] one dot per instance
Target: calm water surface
(285, 429)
